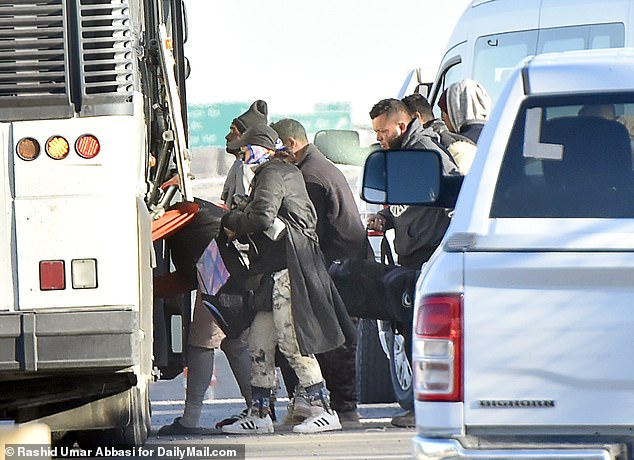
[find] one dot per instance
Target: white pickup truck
(524, 320)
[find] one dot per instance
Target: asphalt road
(373, 438)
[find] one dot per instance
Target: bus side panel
(7, 293)
(102, 229)
(84, 213)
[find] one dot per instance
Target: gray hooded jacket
(419, 229)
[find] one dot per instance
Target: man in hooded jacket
(465, 107)
(307, 315)
(418, 230)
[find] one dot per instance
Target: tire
(401, 370)
(374, 384)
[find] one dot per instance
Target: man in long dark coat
(307, 315)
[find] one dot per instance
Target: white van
(493, 36)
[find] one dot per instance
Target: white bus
(91, 93)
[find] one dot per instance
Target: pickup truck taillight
(437, 348)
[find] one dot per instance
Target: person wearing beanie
(257, 113)
(204, 334)
(304, 314)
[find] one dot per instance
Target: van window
(496, 55)
(581, 37)
(450, 75)
(569, 158)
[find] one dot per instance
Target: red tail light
(52, 276)
(437, 353)
(87, 146)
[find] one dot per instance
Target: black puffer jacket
(321, 320)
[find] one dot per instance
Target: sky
(298, 53)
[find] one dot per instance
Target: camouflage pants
(271, 328)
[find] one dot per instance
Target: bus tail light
(57, 147)
(28, 148)
(87, 146)
(437, 350)
(52, 276)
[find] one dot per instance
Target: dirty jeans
(271, 328)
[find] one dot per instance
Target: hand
(376, 222)
(239, 202)
(231, 235)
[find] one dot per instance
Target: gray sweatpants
(269, 329)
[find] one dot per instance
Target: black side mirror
(408, 177)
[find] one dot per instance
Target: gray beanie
(257, 114)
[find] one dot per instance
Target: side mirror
(412, 177)
(340, 146)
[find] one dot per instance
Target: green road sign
(209, 123)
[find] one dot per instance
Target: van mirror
(408, 177)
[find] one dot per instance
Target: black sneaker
(176, 429)
(404, 420)
(350, 419)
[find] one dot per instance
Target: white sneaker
(321, 421)
(250, 424)
(298, 410)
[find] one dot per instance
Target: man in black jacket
(307, 315)
(418, 230)
(341, 236)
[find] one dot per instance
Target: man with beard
(418, 230)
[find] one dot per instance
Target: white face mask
(247, 175)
